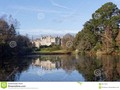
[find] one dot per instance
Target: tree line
(11, 42)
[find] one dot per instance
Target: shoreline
(51, 53)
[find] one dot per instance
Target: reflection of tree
(86, 65)
(10, 69)
(68, 63)
(109, 66)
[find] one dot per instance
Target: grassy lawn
(60, 51)
(55, 51)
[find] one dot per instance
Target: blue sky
(39, 17)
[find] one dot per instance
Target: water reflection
(60, 68)
(109, 66)
(47, 64)
(10, 69)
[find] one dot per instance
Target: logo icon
(3, 85)
(97, 72)
(69, 44)
(13, 44)
(97, 15)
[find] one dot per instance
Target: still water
(61, 68)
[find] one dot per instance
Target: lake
(61, 68)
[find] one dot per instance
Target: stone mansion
(47, 41)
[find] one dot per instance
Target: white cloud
(58, 5)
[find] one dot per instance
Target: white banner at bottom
(60, 85)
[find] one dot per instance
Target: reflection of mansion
(48, 65)
(47, 41)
